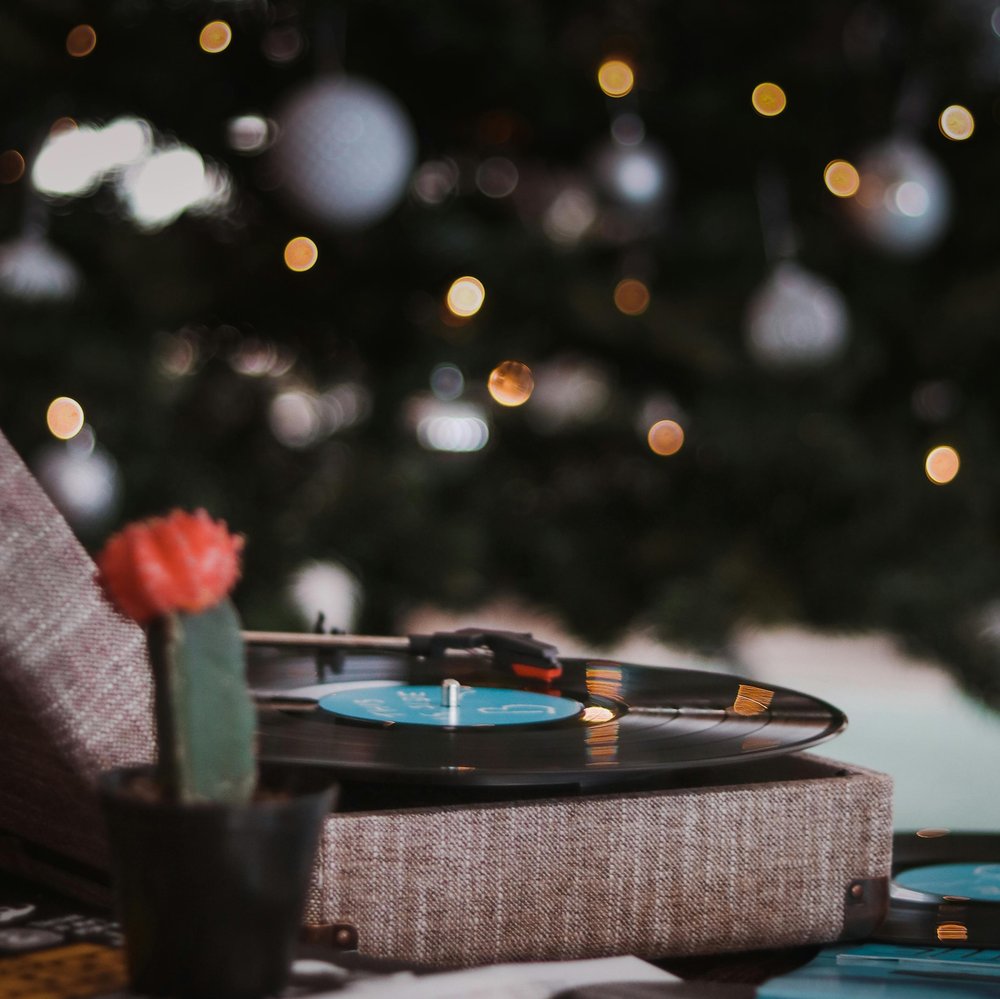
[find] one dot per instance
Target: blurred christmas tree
(650, 313)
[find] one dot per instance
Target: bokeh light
(215, 37)
(81, 41)
(956, 122)
(942, 464)
(615, 77)
(666, 437)
(465, 296)
(11, 166)
(631, 297)
(511, 383)
(768, 99)
(64, 418)
(841, 178)
(301, 254)
(249, 133)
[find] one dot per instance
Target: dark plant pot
(210, 896)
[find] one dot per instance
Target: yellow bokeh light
(942, 464)
(666, 437)
(956, 122)
(631, 297)
(301, 253)
(615, 77)
(768, 99)
(64, 418)
(465, 296)
(215, 37)
(841, 178)
(81, 41)
(511, 383)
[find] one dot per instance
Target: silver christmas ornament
(904, 201)
(796, 319)
(345, 151)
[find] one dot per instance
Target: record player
(601, 808)
(502, 802)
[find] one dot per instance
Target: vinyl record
(945, 890)
(381, 718)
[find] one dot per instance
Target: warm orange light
(942, 464)
(666, 437)
(752, 700)
(615, 77)
(953, 931)
(511, 383)
(300, 254)
(595, 714)
(81, 41)
(215, 37)
(64, 418)
(631, 297)
(11, 166)
(465, 296)
(768, 99)
(956, 122)
(841, 178)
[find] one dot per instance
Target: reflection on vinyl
(945, 890)
(459, 719)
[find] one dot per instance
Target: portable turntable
(501, 802)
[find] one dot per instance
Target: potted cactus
(210, 869)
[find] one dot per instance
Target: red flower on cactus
(182, 562)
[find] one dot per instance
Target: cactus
(173, 574)
(204, 714)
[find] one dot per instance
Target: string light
(301, 254)
(631, 297)
(511, 383)
(465, 296)
(956, 122)
(942, 464)
(64, 418)
(841, 178)
(81, 41)
(768, 99)
(666, 437)
(215, 37)
(615, 77)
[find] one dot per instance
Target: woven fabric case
(797, 852)
(767, 861)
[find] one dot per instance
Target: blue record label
(478, 707)
(980, 882)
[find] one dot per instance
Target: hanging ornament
(345, 151)
(904, 201)
(638, 175)
(82, 480)
(329, 589)
(796, 319)
(569, 390)
(33, 270)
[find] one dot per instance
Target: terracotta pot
(210, 896)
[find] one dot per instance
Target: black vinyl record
(612, 723)
(945, 890)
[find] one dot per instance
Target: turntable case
(758, 856)
(797, 851)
